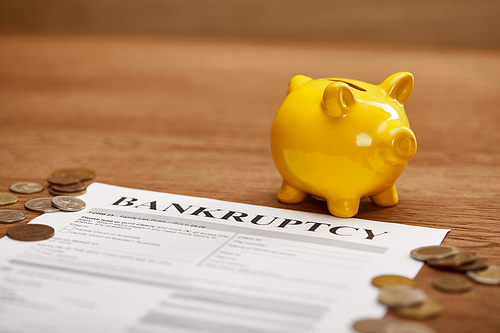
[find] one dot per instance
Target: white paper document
(141, 261)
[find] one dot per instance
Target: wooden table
(193, 117)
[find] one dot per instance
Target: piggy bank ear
(398, 86)
(297, 81)
(338, 98)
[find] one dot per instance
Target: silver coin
(27, 187)
(401, 296)
(41, 205)
(68, 203)
(11, 216)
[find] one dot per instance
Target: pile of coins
(447, 257)
(403, 299)
(37, 232)
(69, 181)
(65, 184)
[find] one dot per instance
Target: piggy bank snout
(403, 145)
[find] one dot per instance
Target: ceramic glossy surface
(342, 140)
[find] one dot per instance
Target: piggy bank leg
(386, 198)
(290, 194)
(343, 207)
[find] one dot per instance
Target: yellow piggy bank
(342, 140)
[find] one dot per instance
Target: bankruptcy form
(143, 261)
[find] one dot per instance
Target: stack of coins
(69, 181)
(447, 257)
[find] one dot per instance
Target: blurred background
(182, 63)
(449, 23)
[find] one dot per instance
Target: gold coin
(461, 258)
(63, 179)
(30, 232)
(433, 252)
(426, 310)
(480, 263)
(401, 296)
(397, 326)
(73, 194)
(452, 284)
(82, 173)
(382, 281)
(369, 325)
(7, 199)
(11, 216)
(27, 187)
(490, 275)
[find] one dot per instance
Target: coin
(433, 252)
(392, 280)
(30, 232)
(490, 275)
(401, 296)
(27, 187)
(7, 199)
(11, 216)
(369, 325)
(68, 203)
(41, 205)
(63, 179)
(452, 284)
(475, 265)
(73, 194)
(82, 173)
(461, 258)
(396, 326)
(426, 310)
(76, 187)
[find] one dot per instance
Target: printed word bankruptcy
(256, 219)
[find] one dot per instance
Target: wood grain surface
(193, 117)
(457, 23)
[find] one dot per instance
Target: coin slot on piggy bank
(342, 140)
